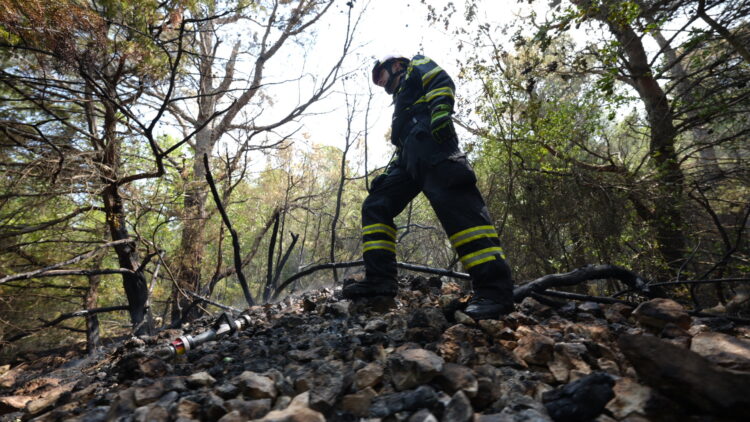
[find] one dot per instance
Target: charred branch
(589, 272)
(232, 231)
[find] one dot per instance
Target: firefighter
(428, 160)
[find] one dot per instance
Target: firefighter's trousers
(443, 174)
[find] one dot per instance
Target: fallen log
(540, 285)
(579, 275)
(350, 264)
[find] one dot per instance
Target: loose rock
(414, 367)
(656, 313)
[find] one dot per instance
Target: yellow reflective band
(420, 61)
(465, 236)
(481, 256)
(430, 75)
(480, 261)
(442, 107)
(379, 228)
(439, 115)
(421, 99)
(439, 92)
(379, 244)
(455, 236)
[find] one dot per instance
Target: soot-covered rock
(317, 357)
(423, 397)
(687, 377)
(413, 367)
(580, 400)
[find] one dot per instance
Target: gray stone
(227, 391)
(531, 306)
(388, 404)
(580, 400)
(151, 413)
(255, 386)
(455, 377)
(423, 415)
(688, 378)
(369, 376)
(656, 313)
(592, 308)
(328, 384)
(458, 409)
(376, 324)
(122, 405)
(534, 348)
(631, 399)
(200, 379)
(568, 357)
(233, 416)
(249, 408)
(497, 329)
(458, 344)
(282, 402)
(298, 411)
(464, 319)
(414, 367)
(617, 313)
(213, 407)
(723, 350)
(358, 403)
(340, 308)
(147, 394)
(188, 409)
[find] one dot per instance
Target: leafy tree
(79, 69)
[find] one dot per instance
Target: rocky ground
(417, 359)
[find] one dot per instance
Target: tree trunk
(134, 283)
(666, 218)
(194, 217)
(92, 320)
(191, 252)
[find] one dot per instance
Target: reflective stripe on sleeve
(481, 256)
(379, 244)
(379, 228)
(427, 78)
(472, 233)
(439, 116)
(439, 92)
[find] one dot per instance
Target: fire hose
(223, 325)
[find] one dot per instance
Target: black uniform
(430, 161)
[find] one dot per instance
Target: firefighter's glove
(376, 182)
(442, 129)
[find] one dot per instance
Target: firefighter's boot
(484, 308)
(370, 287)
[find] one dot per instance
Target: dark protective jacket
(425, 95)
(430, 161)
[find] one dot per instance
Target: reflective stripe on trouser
(378, 231)
(451, 190)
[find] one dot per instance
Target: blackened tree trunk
(134, 282)
(92, 321)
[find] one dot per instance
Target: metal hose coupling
(225, 324)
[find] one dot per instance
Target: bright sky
(387, 27)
